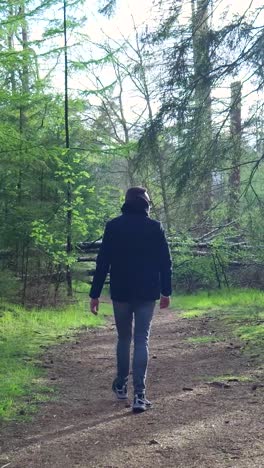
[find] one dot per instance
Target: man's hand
(164, 302)
(94, 306)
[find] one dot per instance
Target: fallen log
(86, 259)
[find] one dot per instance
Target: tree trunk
(157, 156)
(156, 150)
(24, 88)
(25, 273)
(235, 130)
(203, 105)
(10, 43)
(67, 145)
(25, 59)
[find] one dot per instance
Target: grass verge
(221, 298)
(23, 335)
(242, 310)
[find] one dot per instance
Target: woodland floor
(192, 423)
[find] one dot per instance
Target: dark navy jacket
(135, 250)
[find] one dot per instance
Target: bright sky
(144, 12)
(98, 27)
(121, 22)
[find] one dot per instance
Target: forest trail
(192, 423)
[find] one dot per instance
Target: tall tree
(202, 91)
(236, 148)
(67, 146)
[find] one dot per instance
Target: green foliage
(23, 334)
(196, 266)
(191, 273)
(35, 167)
(8, 284)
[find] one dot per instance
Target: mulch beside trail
(194, 422)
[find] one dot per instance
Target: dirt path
(208, 426)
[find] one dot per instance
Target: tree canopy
(176, 105)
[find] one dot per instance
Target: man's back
(135, 249)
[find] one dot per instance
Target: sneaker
(140, 403)
(120, 390)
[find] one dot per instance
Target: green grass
(253, 335)
(81, 287)
(219, 299)
(204, 339)
(195, 313)
(23, 334)
(241, 312)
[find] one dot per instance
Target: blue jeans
(124, 313)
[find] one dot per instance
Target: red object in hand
(94, 306)
(164, 302)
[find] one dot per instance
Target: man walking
(135, 250)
